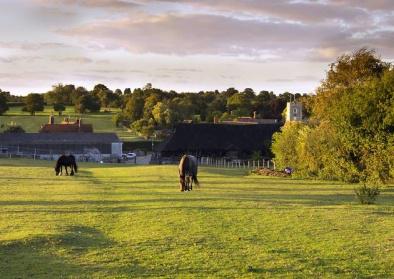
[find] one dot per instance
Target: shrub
(367, 194)
(14, 129)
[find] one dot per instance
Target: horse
(187, 172)
(66, 161)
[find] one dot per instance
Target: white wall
(116, 148)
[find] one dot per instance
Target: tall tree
(3, 103)
(89, 103)
(34, 103)
(134, 109)
(59, 108)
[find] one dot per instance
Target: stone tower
(294, 111)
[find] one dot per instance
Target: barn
(87, 145)
(219, 140)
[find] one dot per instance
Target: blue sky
(185, 45)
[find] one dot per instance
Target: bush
(367, 194)
(14, 129)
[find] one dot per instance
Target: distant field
(102, 121)
(117, 221)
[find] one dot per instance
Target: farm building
(219, 140)
(89, 145)
(66, 126)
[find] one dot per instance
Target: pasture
(102, 121)
(116, 221)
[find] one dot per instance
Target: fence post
(268, 163)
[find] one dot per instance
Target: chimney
(254, 114)
(51, 119)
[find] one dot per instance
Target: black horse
(66, 161)
(187, 172)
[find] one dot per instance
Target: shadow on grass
(39, 257)
(316, 200)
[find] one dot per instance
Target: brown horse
(187, 172)
(66, 161)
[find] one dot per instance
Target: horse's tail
(74, 163)
(195, 180)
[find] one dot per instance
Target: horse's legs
(181, 184)
(191, 183)
(66, 170)
(188, 183)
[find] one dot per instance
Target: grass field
(131, 221)
(102, 121)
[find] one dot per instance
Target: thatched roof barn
(220, 140)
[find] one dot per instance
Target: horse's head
(57, 169)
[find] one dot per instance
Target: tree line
(150, 109)
(350, 132)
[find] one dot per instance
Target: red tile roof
(67, 128)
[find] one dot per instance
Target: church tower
(294, 111)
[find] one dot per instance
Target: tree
(3, 103)
(89, 103)
(148, 86)
(159, 113)
(150, 102)
(59, 108)
(134, 109)
(284, 145)
(127, 91)
(14, 129)
(60, 94)
(239, 101)
(351, 135)
(34, 103)
(347, 72)
(144, 127)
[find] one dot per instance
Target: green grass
(117, 221)
(102, 121)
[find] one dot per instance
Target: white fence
(224, 162)
(237, 163)
(84, 155)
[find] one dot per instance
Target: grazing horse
(187, 172)
(66, 161)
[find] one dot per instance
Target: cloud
(25, 45)
(382, 5)
(78, 60)
(307, 11)
(202, 34)
(200, 44)
(113, 4)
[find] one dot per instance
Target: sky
(185, 45)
